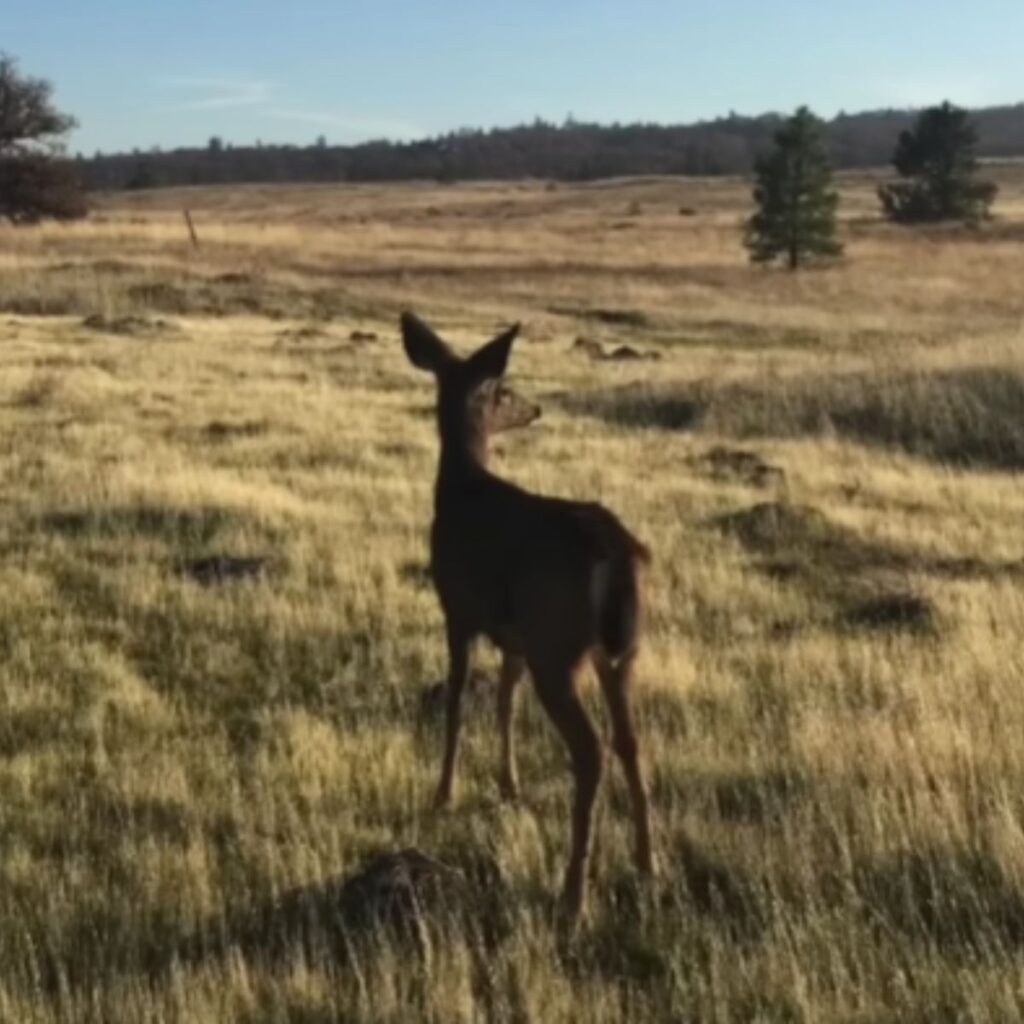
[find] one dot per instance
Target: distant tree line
(571, 151)
(936, 158)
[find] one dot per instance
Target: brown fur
(551, 582)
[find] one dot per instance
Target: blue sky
(175, 72)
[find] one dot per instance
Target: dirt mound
(409, 895)
(626, 353)
(623, 353)
(398, 890)
(740, 464)
(220, 430)
(128, 326)
(772, 526)
(308, 332)
(588, 347)
(236, 278)
(217, 569)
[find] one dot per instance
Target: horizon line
(538, 120)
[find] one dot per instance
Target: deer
(551, 582)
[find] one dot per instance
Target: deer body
(549, 581)
(496, 547)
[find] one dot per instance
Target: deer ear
(490, 361)
(423, 347)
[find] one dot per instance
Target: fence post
(191, 230)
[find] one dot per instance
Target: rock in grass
(218, 569)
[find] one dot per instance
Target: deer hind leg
(458, 672)
(557, 692)
(616, 679)
(512, 668)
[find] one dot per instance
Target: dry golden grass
(838, 795)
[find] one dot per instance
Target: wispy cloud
(218, 93)
(350, 124)
(209, 92)
(967, 89)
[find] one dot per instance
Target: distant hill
(572, 151)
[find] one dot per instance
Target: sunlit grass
(838, 802)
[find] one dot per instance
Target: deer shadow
(405, 899)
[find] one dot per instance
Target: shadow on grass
(848, 576)
(757, 798)
(624, 942)
(34, 728)
(613, 317)
(407, 898)
(970, 417)
(640, 406)
(175, 525)
(800, 542)
(958, 901)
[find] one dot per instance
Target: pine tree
(35, 180)
(796, 215)
(936, 157)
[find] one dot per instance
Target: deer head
(473, 400)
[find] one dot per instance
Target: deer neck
(464, 448)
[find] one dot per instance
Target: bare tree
(36, 181)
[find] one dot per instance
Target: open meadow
(218, 643)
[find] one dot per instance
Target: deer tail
(618, 603)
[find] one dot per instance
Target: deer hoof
(573, 897)
(509, 791)
(646, 862)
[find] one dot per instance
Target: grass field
(831, 693)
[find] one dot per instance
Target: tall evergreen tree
(937, 160)
(35, 180)
(796, 205)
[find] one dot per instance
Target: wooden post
(191, 230)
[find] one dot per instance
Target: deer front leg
(512, 669)
(458, 672)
